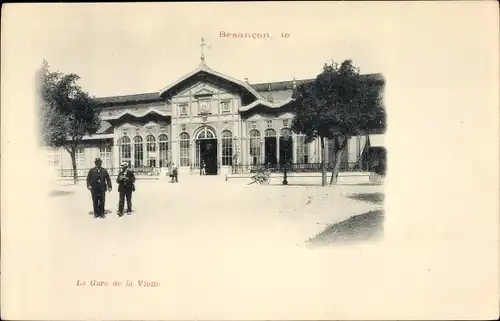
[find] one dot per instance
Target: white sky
(137, 48)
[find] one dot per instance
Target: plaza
(214, 212)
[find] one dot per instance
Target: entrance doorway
(206, 151)
(208, 155)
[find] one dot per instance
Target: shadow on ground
(59, 193)
(374, 198)
(359, 228)
(105, 212)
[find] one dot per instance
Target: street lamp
(286, 142)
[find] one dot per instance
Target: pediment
(204, 92)
(202, 89)
(285, 116)
(127, 126)
(255, 117)
(151, 124)
(205, 76)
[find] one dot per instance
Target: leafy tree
(338, 104)
(67, 113)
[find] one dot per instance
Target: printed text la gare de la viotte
(250, 35)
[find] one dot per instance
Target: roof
(277, 104)
(279, 85)
(105, 127)
(206, 69)
(137, 114)
(288, 84)
(129, 99)
(279, 90)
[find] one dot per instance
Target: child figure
(174, 174)
(203, 169)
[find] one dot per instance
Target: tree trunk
(336, 167)
(323, 158)
(340, 145)
(72, 153)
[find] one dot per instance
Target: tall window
(151, 150)
(270, 147)
(54, 157)
(227, 148)
(105, 155)
(138, 152)
(254, 146)
(184, 149)
(302, 150)
(286, 146)
(80, 157)
(358, 147)
(163, 146)
(125, 149)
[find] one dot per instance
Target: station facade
(205, 117)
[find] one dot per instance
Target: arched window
(302, 150)
(285, 132)
(254, 146)
(138, 152)
(270, 133)
(125, 149)
(163, 146)
(206, 134)
(184, 149)
(151, 150)
(227, 148)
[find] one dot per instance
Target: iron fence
(301, 168)
(138, 171)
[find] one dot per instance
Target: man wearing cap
(98, 182)
(125, 180)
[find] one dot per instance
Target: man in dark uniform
(97, 182)
(126, 186)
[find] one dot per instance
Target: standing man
(126, 186)
(97, 182)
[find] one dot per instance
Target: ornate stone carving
(183, 127)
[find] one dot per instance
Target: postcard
(250, 161)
